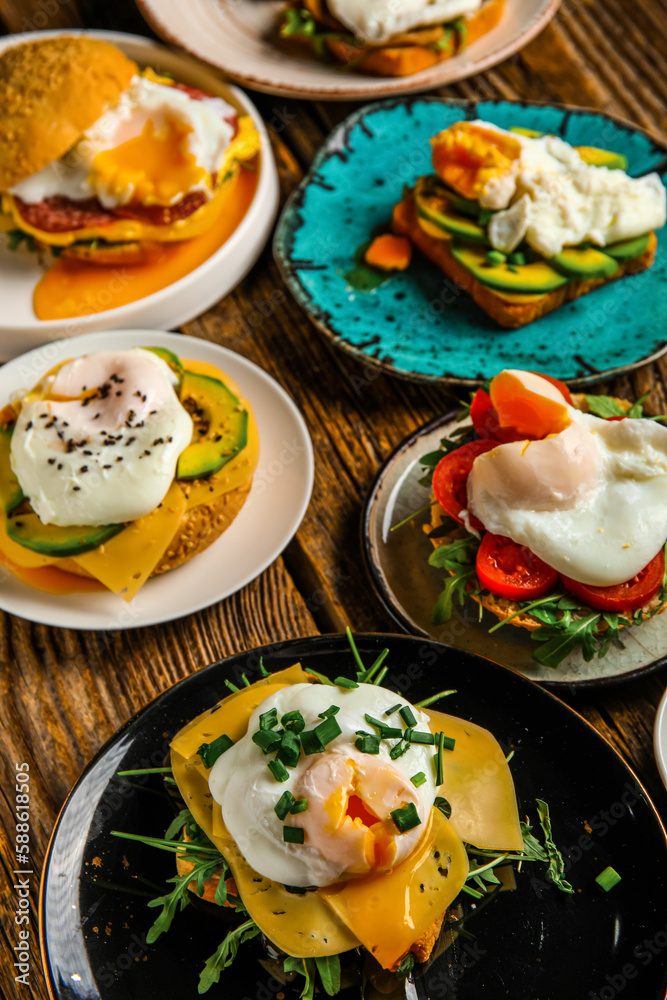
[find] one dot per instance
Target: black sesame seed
(146, 452)
(129, 441)
(84, 468)
(87, 452)
(52, 461)
(106, 466)
(60, 465)
(119, 458)
(76, 488)
(28, 425)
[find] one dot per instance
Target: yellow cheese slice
(124, 563)
(389, 912)
(301, 925)
(243, 147)
(478, 785)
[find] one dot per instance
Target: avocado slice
(11, 494)
(575, 262)
(172, 359)
(436, 208)
(530, 278)
(55, 540)
(628, 249)
(602, 157)
(530, 133)
(216, 412)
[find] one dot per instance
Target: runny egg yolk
(153, 168)
(349, 811)
(467, 156)
(528, 404)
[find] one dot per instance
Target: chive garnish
(381, 676)
(266, 740)
(290, 749)
(406, 817)
(331, 710)
(278, 770)
(209, 752)
(328, 730)
(293, 721)
(368, 744)
(426, 739)
(418, 779)
(443, 805)
(311, 742)
(245, 680)
(345, 682)
(283, 805)
(262, 669)
(608, 879)
(399, 749)
(269, 720)
(434, 697)
(299, 806)
(407, 715)
(439, 764)
(293, 834)
(232, 687)
(394, 708)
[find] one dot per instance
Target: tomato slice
(634, 593)
(450, 478)
(511, 570)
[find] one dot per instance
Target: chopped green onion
(443, 805)
(278, 770)
(381, 676)
(475, 893)
(269, 720)
(427, 739)
(209, 752)
(407, 715)
(245, 680)
(293, 834)
(262, 669)
(434, 697)
(399, 749)
(406, 817)
(394, 708)
(345, 682)
(266, 740)
(418, 779)
(608, 879)
(311, 742)
(293, 721)
(328, 730)
(299, 806)
(283, 805)
(406, 966)
(331, 710)
(439, 764)
(232, 687)
(322, 678)
(290, 749)
(368, 744)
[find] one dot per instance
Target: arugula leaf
(300, 23)
(329, 970)
(225, 954)
(178, 897)
(556, 863)
(605, 406)
(558, 642)
(177, 824)
(458, 558)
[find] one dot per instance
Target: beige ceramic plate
(238, 37)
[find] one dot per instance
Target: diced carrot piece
(389, 252)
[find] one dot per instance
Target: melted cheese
(478, 786)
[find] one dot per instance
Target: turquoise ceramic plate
(417, 324)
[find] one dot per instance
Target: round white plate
(238, 36)
(20, 330)
(660, 738)
(269, 518)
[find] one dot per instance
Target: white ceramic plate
(660, 738)
(238, 37)
(20, 330)
(269, 518)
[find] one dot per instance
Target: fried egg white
(347, 826)
(590, 501)
(377, 20)
(99, 441)
(154, 147)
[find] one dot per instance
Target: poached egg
(97, 442)
(590, 498)
(376, 21)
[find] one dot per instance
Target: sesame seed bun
(51, 91)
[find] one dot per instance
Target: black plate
(532, 944)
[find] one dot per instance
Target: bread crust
(499, 306)
(52, 90)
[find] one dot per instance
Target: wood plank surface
(64, 693)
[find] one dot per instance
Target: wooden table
(63, 693)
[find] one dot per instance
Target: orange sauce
(74, 288)
(50, 579)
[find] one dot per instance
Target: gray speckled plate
(418, 324)
(408, 587)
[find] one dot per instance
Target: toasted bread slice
(510, 310)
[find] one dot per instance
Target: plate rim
(267, 186)
(291, 220)
(392, 85)
(660, 745)
(338, 642)
(177, 340)
(395, 611)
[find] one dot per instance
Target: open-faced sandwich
(550, 511)
(342, 823)
(388, 39)
(120, 465)
(524, 222)
(104, 165)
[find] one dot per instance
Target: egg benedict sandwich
(120, 465)
(524, 222)
(552, 514)
(103, 164)
(396, 39)
(346, 822)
